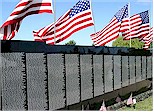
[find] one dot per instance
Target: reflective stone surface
(12, 81)
(138, 68)
(132, 69)
(56, 81)
(125, 72)
(36, 84)
(86, 77)
(108, 73)
(72, 78)
(117, 72)
(98, 75)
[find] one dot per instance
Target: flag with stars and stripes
(148, 39)
(130, 100)
(103, 108)
(118, 23)
(139, 26)
(23, 9)
(75, 19)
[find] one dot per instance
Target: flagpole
(93, 17)
(54, 22)
(129, 23)
(149, 24)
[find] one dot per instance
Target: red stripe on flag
(22, 10)
(77, 29)
(65, 26)
(31, 6)
(79, 22)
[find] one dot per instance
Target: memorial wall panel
(72, 78)
(125, 72)
(117, 72)
(132, 69)
(13, 71)
(108, 73)
(56, 81)
(144, 67)
(36, 84)
(86, 77)
(149, 66)
(138, 69)
(98, 75)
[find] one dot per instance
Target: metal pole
(54, 22)
(149, 23)
(129, 23)
(93, 18)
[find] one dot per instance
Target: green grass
(145, 105)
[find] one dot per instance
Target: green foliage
(145, 105)
(71, 42)
(151, 45)
(135, 43)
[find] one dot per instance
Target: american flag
(75, 19)
(139, 26)
(130, 100)
(118, 99)
(103, 108)
(118, 23)
(148, 39)
(23, 8)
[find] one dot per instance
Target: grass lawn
(145, 105)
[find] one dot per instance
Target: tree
(135, 43)
(71, 42)
(151, 45)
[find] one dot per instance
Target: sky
(103, 12)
